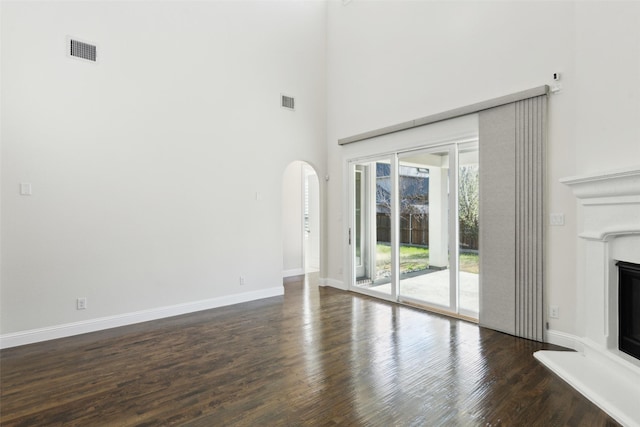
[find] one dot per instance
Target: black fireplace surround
(629, 308)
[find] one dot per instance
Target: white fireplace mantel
(617, 194)
(613, 186)
(609, 231)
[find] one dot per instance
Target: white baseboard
(293, 272)
(563, 340)
(339, 284)
(93, 325)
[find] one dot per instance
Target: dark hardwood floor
(317, 356)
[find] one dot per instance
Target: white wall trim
(293, 272)
(93, 325)
(563, 339)
(338, 284)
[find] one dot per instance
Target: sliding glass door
(424, 205)
(415, 228)
(370, 235)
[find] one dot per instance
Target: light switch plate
(556, 219)
(25, 189)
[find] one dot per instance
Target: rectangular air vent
(288, 102)
(82, 50)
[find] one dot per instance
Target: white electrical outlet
(242, 281)
(81, 303)
(554, 312)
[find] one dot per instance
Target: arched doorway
(300, 220)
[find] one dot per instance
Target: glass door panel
(468, 220)
(423, 187)
(371, 230)
(415, 228)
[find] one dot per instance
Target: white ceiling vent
(288, 102)
(82, 50)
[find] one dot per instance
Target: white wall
(607, 80)
(145, 166)
(391, 62)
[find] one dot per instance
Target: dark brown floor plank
(316, 356)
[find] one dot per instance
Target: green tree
(468, 208)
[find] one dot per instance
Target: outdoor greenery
(468, 208)
(469, 262)
(414, 258)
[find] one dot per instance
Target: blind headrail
(446, 115)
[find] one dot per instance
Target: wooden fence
(414, 230)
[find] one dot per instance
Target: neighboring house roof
(413, 188)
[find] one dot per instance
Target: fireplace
(608, 258)
(629, 308)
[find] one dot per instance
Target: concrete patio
(433, 288)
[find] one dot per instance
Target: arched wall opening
(300, 220)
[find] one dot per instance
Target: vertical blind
(530, 142)
(512, 141)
